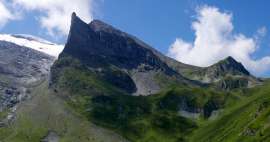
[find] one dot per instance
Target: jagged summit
(100, 45)
(226, 74)
(230, 59)
(229, 64)
(95, 25)
(82, 31)
(74, 18)
(73, 15)
(102, 41)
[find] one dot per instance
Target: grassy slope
(247, 120)
(244, 114)
(152, 118)
(46, 112)
(136, 118)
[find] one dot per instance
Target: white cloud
(56, 14)
(262, 31)
(5, 14)
(215, 40)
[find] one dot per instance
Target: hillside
(102, 70)
(226, 74)
(21, 69)
(29, 111)
(247, 120)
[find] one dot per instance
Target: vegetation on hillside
(157, 117)
(44, 113)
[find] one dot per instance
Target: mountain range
(108, 85)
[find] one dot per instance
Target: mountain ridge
(100, 26)
(98, 45)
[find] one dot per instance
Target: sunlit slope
(44, 114)
(247, 120)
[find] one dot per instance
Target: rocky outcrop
(228, 66)
(227, 74)
(100, 46)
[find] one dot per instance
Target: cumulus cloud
(5, 14)
(55, 14)
(215, 40)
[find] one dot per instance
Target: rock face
(21, 68)
(225, 67)
(100, 46)
(226, 74)
(135, 67)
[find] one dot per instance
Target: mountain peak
(101, 46)
(75, 20)
(229, 60)
(229, 64)
(73, 15)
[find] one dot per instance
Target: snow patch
(34, 43)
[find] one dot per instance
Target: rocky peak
(101, 44)
(75, 20)
(230, 65)
(230, 59)
(100, 39)
(78, 29)
(98, 45)
(96, 26)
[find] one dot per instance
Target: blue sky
(159, 23)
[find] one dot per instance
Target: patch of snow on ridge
(32, 38)
(34, 43)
